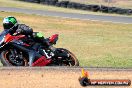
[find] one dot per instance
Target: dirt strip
(26, 77)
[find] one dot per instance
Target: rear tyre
(73, 61)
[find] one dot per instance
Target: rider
(10, 23)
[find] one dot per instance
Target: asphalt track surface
(113, 19)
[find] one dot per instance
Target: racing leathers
(27, 31)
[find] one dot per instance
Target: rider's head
(10, 23)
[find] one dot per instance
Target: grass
(20, 4)
(95, 43)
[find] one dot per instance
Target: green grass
(20, 4)
(95, 43)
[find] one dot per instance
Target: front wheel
(8, 59)
(66, 58)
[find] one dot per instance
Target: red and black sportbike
(15, 52)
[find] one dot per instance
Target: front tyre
(7, 59)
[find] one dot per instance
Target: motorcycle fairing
(53, 38)
(9, 38)
(42, 61)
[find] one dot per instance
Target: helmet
(9, 22)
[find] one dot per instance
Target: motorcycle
(15, 52)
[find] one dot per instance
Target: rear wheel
(66, 58)
(8, 59)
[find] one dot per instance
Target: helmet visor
(7, 25)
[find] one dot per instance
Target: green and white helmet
(9, 22)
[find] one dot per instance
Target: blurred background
(111, 3)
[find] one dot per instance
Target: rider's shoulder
(22, 25)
